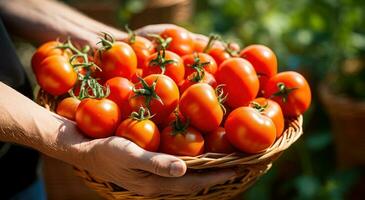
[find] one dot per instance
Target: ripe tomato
(263, 60)
(219, 54)
(182, 41)
(249, 131)
(97, 118)
(67, 107)
(185, 141)
(46, 50)
(120, 90)
(199, 45)
(117, 60)
(141, 131)
(193, 79)
(135, 77)
(272, 110)
(217, 142)
(167, 63)
(55, 75)
(291, 91)
(199, 60)
(240, 80)
(199, 104)
(159, 94)
(142, 47)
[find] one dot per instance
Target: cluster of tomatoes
(173, 93)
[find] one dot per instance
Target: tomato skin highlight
(273, 111)
(240, 81)
(120, 90)
(200, 105)
(188, 61)
(166, 89)
(118, 60)
(56, 75)
(67, 107)
(298, 100)
(97, 118)
(182, 41)
(190, 142)
(263, 59)
(217, 142)
(143, 49)
(144, 133)
(249, 131)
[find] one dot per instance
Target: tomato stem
(258, 107)
(160, 61)
(221, 96)
(283, 92)
(131, 34)
(142, 114)
(199, 68)
(212, 39)
(148, 91)
(178, 126)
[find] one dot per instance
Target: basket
(249, 167)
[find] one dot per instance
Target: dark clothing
(18, 165)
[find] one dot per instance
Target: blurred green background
(324, 40)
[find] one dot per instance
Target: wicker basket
(249, 167)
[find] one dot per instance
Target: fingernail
(177, 168)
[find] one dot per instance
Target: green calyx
(212, 39)
(161, 61)
(162, 43)
(89, 86)
(142, 114)
(147, 91)
(199, 68)
(221, 96)
(283, 92)
(231, 51)
(106, 41)
(258, 107)
(178, 126)
(131, 35)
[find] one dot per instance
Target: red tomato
(55, 75)
(249, 131)
(157, 87)
(142, 47)
(120, 90)
(167, 63)
(193, 79)
(184, 142)
(217, 142)
(263, 60)
(67, 107)
(196, 60)
(240, 80)
(199, 45)
(46, 50)
(118, 60)
(142, 132)
(219, 54)
(291, 91)
(199, 104)
(272, 110)
(182, 41)
(97, 118)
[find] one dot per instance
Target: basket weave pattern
(249, 167)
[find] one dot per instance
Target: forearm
(24, 122)
(44, 20)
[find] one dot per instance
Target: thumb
(162, 164)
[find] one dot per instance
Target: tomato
(291, 91)
(193, 79)
(263, 59)
(135, 77)
(184, 142)
(158, 93)
(272, 110)
(117, 60)
(199, 60)
(55, 75)
(120, 90)
(142, 47)
(249, 131)
(200, 105)
(219, 54)
(182, 41)
(217, 142)
(240, 80)
(67, 107)
(97, 118)
(46, 50)
(167, 63)
(141, 131)
(199, 46)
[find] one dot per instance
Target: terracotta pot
(348, 125)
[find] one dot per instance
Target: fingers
(188, 184)
(161, 164)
